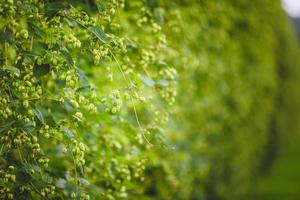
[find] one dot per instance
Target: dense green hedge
(237, 97)
(152, 99)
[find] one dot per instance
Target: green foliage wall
(142, 99)
(237, 97)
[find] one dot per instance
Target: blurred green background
(282, 179)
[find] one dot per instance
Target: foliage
(237, 90)
(88, 87)
(63, 136)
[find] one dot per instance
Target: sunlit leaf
(12, 69)
(39, 115)
(99, 33)
(147, 81)
(67, 132)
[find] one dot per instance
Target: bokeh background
(282, 180)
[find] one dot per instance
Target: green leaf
(38, 48)
(39, 115)
(5, 36)
(29, 168)
(84, 181)
(159, 17)
(53, 7)
(101, 7)
(82, 76)
(33, 28)
(46, 178)
(84, 89)
(68, 57)
(161, 63)
(12, 69)
(41, 70)
(61, 183)
(6, 126)
(68, 106)
(67, 132)
(147, 81)
(163, 83)
(23, 177)
(71, 22)
(28, 128)
(99, 33)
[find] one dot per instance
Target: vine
(71, 82)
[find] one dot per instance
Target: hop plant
(64, 133)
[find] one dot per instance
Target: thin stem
(133, 105)
(1, 148)
(5, 50)
(76, 176)
(31, 43)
